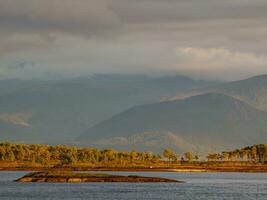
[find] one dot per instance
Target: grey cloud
(192, 10)
(86, 17)
(97, 17)
(83, 36)
(22, 65)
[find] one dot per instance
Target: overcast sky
(208, 39)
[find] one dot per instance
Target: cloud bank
(210, 39)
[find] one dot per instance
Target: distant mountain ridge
(209, 121)
(62, 109)
(135, 112)
(252, 91)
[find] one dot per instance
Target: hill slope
(253, 91)
(61, 109)
(204, 122)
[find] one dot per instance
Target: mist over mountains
(135, 112)
(60, 110)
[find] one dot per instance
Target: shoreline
(129, 169)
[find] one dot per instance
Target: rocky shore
(73, 177)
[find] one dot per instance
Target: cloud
(86, 36)
(147, 11)
(220, 61)
(79, 16)
(22, 65)
(222, 56)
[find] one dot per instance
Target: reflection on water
(217, 186)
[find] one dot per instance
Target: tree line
(66, 155)
(255, 153)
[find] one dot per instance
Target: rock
(73, 177)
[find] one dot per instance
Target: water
(199, 186)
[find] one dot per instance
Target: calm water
(228, 186)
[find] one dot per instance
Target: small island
(74, 177)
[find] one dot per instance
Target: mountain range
(252, 91)
(136, 112)
(198, 123)
(58, 111)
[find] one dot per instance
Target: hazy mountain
(200, 123)
(59, 110)
(252, 90)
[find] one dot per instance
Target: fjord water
(206, 186)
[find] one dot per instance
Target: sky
(204, 39)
